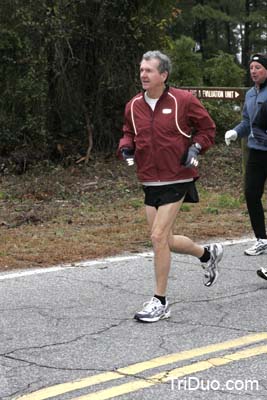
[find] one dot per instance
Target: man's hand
(191, 159)
(230, 136)
(128, 155)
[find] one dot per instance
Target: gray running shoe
(211, 267)
(259, 247)
(262, 273)
(153, 311)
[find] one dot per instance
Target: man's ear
(164, 76)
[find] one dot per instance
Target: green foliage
(136, 203)
(211, 24)
(187, 69)
(222, 70)
(23, 83)
(227, 201)
(211, 210)
(223, 25)
(225, 115)
(223, 201)
(210, 12)
(185, 208)
(68, 67)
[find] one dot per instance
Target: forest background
(67, 69)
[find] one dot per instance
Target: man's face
(258, 73)
(150, 76)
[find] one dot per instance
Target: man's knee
(158, 239)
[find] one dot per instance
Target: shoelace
(258, 245)
(150, 306)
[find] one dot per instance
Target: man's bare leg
(161, 222)
(184, 245)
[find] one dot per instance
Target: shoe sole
(257, 254)
(261, 274)
(209, 284)
(140, 319)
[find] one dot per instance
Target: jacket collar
(163, 93)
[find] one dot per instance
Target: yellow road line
(164, 377)
(133, 369)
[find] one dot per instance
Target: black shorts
(157, 196)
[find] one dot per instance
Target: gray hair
(164, 61)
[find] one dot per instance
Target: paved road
(68, 333)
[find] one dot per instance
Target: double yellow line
(162, 377)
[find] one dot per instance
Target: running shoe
(262, 273)
(259, 247)
(153, 311)
(211, 267)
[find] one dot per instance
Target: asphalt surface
(69, 333)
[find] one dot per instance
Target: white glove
(230, 136)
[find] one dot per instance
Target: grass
(53, 215)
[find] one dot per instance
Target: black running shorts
(156, 196)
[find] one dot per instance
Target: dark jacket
(161, 139)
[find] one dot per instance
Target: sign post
(218, 93)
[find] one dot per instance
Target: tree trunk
(246, 43)
(90, 135)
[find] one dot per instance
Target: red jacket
(161, 138)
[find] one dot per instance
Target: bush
(186, 69)
(225, 116)
(222, 70)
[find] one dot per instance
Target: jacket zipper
(153, 137)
